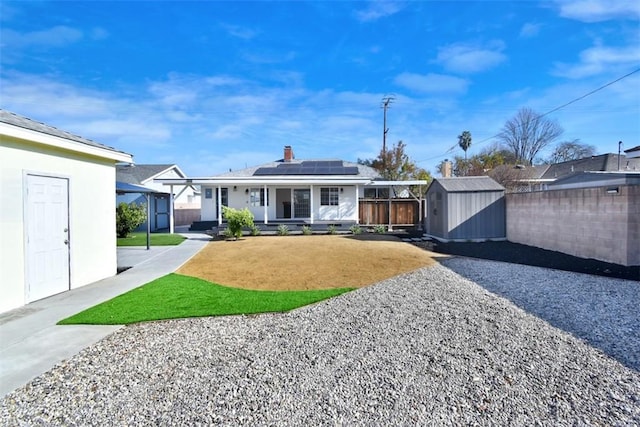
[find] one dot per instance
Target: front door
(47, 227)
(301, 203)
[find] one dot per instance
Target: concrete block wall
(585, 222)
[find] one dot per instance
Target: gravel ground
(429, 347)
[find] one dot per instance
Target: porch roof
(274, 180)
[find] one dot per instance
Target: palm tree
(464, 141)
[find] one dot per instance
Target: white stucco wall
(238, 199)
(92, 237)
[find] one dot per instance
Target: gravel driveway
(430, 348)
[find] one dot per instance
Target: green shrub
(306, 230)
(380, 229)
(355, 229)
(228, 234)
(255, 231)
(283, 230)
(332, 229)
(129, 217)
(236, 219)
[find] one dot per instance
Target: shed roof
(469, 184)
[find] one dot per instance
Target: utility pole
(385, 105)
(619, 148)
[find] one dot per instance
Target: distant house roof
(140, 174)
(633, 152)
(603, 162)
(596, 179)
(27, 124)
(469, 184)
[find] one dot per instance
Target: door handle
(66, 242)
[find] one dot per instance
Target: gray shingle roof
(137, 174)
(469, 183)
(601, 163)
(26, 123)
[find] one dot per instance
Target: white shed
(57, 221)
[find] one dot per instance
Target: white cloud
(58, 36)
(468, 58)
(599, 10)
(432, 83)
(240, 32)
(598, 59)
(529, 30)
(377, 10)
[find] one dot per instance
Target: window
(256, 197)
(329, 196)
(208, 193)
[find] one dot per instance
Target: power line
(545, 114)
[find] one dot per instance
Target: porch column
(266, 205)
(171, 201)
(311, 203)
(357, 204)
(219, 205)
(389, 213)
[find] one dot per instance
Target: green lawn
(139, 238)
(176, 296)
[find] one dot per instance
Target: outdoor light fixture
(246, 191)
(612, 190)
(341, 189)
(235, 188)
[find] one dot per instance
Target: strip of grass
(176, 296)
(139, 238)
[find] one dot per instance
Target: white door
(47, 216)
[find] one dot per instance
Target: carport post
(148, 220)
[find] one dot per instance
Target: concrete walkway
(31, 341)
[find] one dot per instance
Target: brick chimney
(288, 153)
(446, 168)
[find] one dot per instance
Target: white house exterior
(186, 196)
(288, 190)
(57, 222)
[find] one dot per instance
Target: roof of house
(468, 184)
(272, 169)
(519, 172)
(139, 174)
(603, 162)
(596, 179)
(14, 119)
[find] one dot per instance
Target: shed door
(47, 226)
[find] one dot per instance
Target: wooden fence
(404, 212)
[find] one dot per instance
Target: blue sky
(213, 86)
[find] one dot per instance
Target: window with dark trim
(257, 197)
(329, 196)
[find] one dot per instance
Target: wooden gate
(404, 212)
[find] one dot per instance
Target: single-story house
(308, 192)
(465, 209)
(187, 196)
(57, 219)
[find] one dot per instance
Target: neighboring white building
(57, 222)
(186, 196)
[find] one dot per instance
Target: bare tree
(527, 133)
(571, 150)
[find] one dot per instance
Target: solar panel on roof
(309, 167)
